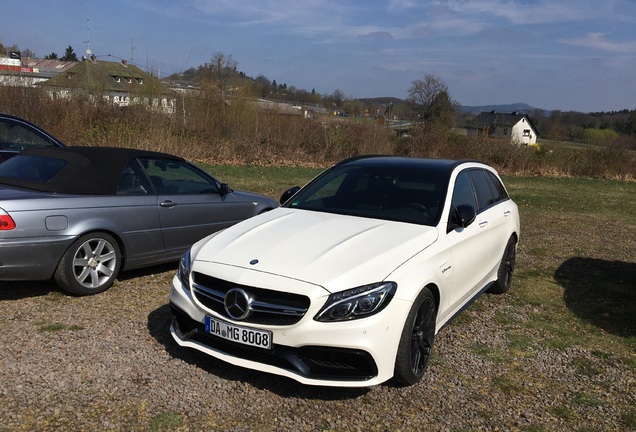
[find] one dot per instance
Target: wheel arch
(113, 234)
(436, 293)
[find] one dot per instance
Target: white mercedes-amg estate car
(348, 282)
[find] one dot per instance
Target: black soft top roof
(87, 170)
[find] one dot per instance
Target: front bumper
(315, 363)
(358, 353)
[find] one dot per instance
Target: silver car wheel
(94, 263)
(90, 265)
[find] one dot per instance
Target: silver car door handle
(483, 224)
(168, 204)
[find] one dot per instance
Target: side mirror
(224, 189)
(288, 194)
(462, 216)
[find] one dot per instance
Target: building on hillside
(513, 126)
(119, 83)
(17, 72)
(401, 128)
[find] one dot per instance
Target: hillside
(518, 107)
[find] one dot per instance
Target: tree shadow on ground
(159, 327)
(601, 292)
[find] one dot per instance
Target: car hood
(329, 250)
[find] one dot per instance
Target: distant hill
(518, 107)
(382, 100)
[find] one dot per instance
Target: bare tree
(338, 97)
(224, 67)
(430, 100)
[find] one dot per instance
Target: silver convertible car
(81, 214)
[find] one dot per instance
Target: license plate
(238, 334)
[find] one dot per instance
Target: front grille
(314, 362)
(269, 307)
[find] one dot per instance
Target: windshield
(397, 193)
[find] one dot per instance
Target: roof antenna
(88, 42)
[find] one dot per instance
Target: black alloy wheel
(506, 268)
(416, 342)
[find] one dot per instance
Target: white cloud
(599, 41)
(280, 12)
(530, 12)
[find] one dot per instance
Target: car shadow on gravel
(601, 292)
(21, 290)
(159, 327)
(161, 268)
(25, 289)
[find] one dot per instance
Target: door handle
(507, 213)
(167, 204)
(483, 224)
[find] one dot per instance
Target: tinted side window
(498, 190)
(133, 181)
(32, 168)
(15, 136)
(177, 178)
(484, 194)
(463, 192)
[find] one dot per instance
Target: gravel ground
(108, 362)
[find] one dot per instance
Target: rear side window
(498, 190)
(38, 169)
(485, 197)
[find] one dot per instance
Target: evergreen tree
(69, 55)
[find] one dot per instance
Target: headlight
(357, 303)
(184, 270)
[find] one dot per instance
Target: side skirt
(468, 303)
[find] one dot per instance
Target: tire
(416, 341)
(506, 268)
(90, 265)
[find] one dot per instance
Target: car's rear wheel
(416, 342)
(506, 268)
(90, 265)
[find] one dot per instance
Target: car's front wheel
(90, 265)
(416, 342)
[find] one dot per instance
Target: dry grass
(211, 130)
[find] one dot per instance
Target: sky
(568, 55)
